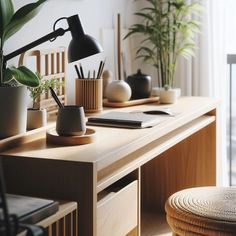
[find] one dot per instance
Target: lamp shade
(82, 48)
(81, 45)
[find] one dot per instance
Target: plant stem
(1, 67)
(160, 48)
(168, 43)
(173, 50)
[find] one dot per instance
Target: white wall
(94, 14)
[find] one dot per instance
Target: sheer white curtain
(205, 75)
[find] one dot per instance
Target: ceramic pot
(71, 121)
(13, 110)
(169, 96)
(140, 85)
(156, 91)
(118, 91)
(36, 118)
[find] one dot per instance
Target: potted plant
(13, 96)
(168, 31)
(37, 116)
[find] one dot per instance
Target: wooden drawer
(117, 211)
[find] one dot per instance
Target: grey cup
(71, 121)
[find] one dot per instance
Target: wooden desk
(122, 180)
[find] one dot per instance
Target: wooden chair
(49, 63)
(207, 211)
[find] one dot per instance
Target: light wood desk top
(113, 143)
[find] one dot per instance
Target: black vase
(140, 85)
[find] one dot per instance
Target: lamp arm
(54, 34)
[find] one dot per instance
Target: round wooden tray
(53, 137)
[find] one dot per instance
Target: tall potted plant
(168, 31)
(13, 96)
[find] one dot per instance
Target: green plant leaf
(144, 15)
(6, 13)
(21, 17)
(7, 75)
(22, 75)
(168, 28)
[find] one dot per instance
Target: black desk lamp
(81, 45)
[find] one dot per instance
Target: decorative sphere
(107, 74)
(118, 91)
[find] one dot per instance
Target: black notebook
(124, 119)
(30, 210)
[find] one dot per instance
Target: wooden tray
(135, 102)
(53, 137)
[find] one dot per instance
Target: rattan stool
(202, 211)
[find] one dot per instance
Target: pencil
(99, 69)
(102, 67)
(89, 74)
(77, 71)
(81, 71)
(55, 97)
(94, 74)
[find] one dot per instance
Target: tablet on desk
(134, 120)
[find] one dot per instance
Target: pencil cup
(70, 121)
(88, 93)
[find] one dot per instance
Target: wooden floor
(154, 225)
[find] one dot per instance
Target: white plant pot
(169, 96)
(156, 91)
(36, 118)
(118, 91)
(13, 111)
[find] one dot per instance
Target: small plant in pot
(13, 81)
(37, 116)
(168, 31)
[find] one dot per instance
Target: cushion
(203, 211)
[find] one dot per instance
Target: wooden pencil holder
(88, 93)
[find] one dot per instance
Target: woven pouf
(202, 211)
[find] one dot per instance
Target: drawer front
(117, 213)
